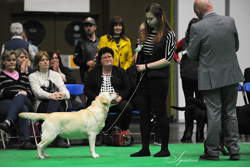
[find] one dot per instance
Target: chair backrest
(240, 87)
(246, 87)
(75, 89)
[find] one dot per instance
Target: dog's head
(106, 98)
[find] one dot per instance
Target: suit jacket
(214, 43)
(123, 56)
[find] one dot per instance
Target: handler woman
(152, 64)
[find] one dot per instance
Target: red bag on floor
(117, 137)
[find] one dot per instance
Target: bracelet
(146, 66)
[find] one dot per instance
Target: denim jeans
(11, 108)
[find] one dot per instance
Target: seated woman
(106, 77)
(22, 59)
(15, 97)
(67, 76)
(49, 89)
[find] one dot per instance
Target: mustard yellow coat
(123, 55)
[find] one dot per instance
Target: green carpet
(182, 155)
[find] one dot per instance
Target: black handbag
(51, 88)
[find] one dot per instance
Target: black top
(119, 80)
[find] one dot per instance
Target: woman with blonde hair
(22, 61)
(15, 98)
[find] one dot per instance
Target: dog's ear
(104, 100)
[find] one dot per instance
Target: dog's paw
(47, 156)
(41, 157)
(95, 156)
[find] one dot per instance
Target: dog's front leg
(92, 138)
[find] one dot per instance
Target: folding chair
(7, 137)
(76, 89)
(241, 88)
(246, 88)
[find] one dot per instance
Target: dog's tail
(191, 107)
(199, 103)
(34, 116)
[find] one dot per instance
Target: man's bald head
(201, 7)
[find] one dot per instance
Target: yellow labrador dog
(84, 124)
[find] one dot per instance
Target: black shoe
(209, 157)
(28, 146)
(162, 153)
(5, 127)
(99, 140)
(61, 144)
(235, 157)
(141, 153)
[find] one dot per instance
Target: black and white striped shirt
(170, 45)
(9, 87)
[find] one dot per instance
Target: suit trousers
(222, 118)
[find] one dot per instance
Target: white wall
(239, 11)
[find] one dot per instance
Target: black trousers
(190, 89)
(125, 118)
(145, 105)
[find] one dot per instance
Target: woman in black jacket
(108, 78)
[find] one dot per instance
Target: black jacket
(158, 54)
(119, 80)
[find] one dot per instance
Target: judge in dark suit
(214, 43)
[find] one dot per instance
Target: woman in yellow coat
(120, 44)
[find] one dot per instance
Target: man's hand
(91, 63)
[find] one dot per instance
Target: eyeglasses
(44, 60)
(108, 57)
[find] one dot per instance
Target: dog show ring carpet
(182, 155)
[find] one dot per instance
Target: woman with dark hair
(106, 77)
(49, 90)
(57, 66)
(120, 44)
(152, 63)
(189, 77)
(67, 76)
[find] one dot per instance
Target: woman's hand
(61, 95)
(141, 67)
(22, 92)
(55, 67)
(54, 96)
(57, 95)
(24, 67)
